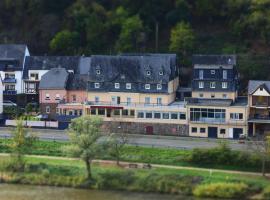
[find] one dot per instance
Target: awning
(108, 107)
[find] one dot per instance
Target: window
(236, 116)
(212, 95)
(159, 86)
(47, 96)
(101, 111)
(147, 86)
(128, 100)
(75, 112)
(114, 100)
(161, 73)
(116, 85)
(97, 85)
(261, 89)
(74, 99)
(222, 131)
(207, 115)
(10, 87)
(148, 115)
(201, 84)
(157, 115)
(201, 95)
(97, 71)
(201, 74)
(147, 100)
(96, 99)
(182, 115)
(224, 74)
(9, 76)
(132, 112)
(93, 111)
(202, 130)
(159, 101)
(57, 97)
(140, 114)
(48, 109)
(125, 112)
(224, 96)
(224, 85)
(128, 86)
(148, 73)
(212, 84)
(174, 116)
(194, 130)
(213, 71)
(31, 86)
(80, 112)
(165, 116)
(34, 76)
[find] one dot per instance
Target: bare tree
(261, 147)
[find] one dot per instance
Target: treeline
(76, 27)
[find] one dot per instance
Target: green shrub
(221, 190)
(117, 180)
(266, 193)
(174, 184)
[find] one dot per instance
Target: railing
(259, 117)
(9, 80)
(261, 104)
(104, 103)
(9, 92)
(209, 120)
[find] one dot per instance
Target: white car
(9, 103)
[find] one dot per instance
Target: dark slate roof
(241, 101)
(56, 78)
(254, 84)
(49, 62)
(77, 81)
(209, 102)
(214, 59)
(132, 68)
(12, 53)
(84, 66)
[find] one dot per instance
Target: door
(109, 111)
(118, 100)
(237, 132)
(149, 130)
(212, 132)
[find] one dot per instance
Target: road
(140, 140)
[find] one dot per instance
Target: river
(25, 192)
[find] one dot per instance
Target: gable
(261, 91)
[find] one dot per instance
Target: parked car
(9, 103)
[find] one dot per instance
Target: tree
(261, 147)
(21, 143)
(65, 42)
(116, 145)
(29, 108)
(182, 38)
(84, 133)
(131, 34)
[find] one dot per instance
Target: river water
(25, 192)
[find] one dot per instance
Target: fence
(41, 124)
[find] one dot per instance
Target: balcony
(9, 80)
(144, 105)
(260, 102)
(259, 118)
(209, 120)
(9, 92)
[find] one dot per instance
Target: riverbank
(71, 173)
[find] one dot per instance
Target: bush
(221, 190)
(117, 180)
(266, 193)
(174, 184)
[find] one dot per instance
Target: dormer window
(97, 71)
(213, 71)
(116, 85)
(128, 86)
(161, 73)
(57, 97)
(97, 85)
(147, 86)
(159, 86)
(47, 96)
(261, 89)
(148, 73)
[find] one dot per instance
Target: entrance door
(237, 132)
(212, 132)
(109, 111)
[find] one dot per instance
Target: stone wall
(145, 128)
